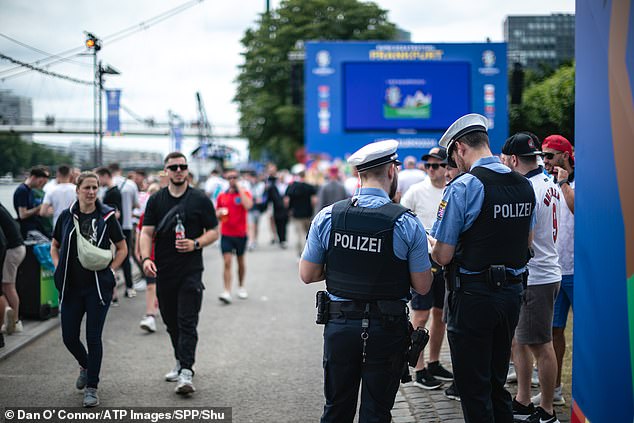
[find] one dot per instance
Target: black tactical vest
(360, 262)
(499, 234)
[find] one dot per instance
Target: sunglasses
(232, 177)
(551, 156)
(435, 166)
(176, 167)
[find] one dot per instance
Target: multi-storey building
(538, 40)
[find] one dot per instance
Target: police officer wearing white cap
(370, 251)
(482, 231)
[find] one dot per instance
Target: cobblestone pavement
(414, 405)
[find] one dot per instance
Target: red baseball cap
(559, 143)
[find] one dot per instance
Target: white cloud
(197, 50)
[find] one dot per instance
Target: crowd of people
(432, 211)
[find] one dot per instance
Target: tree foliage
(548, 106)
(18, 155)
(270, 121)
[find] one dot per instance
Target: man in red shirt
(231, 208)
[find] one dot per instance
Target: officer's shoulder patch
(411, 212)
(441, 210)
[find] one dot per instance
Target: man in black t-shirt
(178, 263)
(300, 200)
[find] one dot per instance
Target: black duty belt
(483, 277)
(356, 310)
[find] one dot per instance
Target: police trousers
(379, 376)
(480, 327)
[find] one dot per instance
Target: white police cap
(472, 122)
(375, 154)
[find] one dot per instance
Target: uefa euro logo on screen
(323, 64)
(488, 60)
(406, 100)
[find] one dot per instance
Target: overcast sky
(197, 50)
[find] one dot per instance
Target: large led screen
(395, 95)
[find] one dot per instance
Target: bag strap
(178, 208)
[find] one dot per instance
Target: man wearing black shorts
(232, 209)
(182, 220)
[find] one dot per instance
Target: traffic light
(93, 42)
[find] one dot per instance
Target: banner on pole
(176, 130)
(113, 124)
(604, 212)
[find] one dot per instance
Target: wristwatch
(561, 183)
(197, 245)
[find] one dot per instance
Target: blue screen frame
(325, 128)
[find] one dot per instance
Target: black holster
(450, 274)
(418, 341)
(322, 302)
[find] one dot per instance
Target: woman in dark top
(85, 291)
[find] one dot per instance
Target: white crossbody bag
(90, 256)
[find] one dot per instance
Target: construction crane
(207, 148)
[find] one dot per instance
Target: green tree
(548, 106)
(269, 119)
(19, 155)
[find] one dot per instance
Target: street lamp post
(94, 45)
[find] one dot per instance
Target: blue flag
(177, 135)
(113, 125)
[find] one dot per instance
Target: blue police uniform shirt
(462, 201)
(410, 240)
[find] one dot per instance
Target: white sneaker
(18, 327)
(173, 374)
(225, 297)
(535, 378)
(9, 320)
(242, 294)
(140, 285)
(148, 323)
(511, 376)
(185, 385)
(558, 398)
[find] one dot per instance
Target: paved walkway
(283, 347)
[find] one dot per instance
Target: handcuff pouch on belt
(496, 276)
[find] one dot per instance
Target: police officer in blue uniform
(370, 251)
(482, 237)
